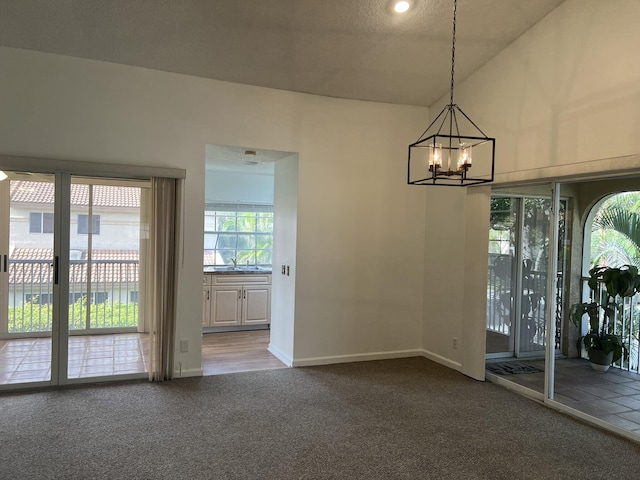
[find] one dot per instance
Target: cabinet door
(226, 306)
(206, 306)
(256, 308)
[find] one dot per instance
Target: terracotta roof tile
(34, 266)
(103, 195)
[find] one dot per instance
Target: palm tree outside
(615, 241)
(615, 231)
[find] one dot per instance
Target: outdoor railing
(501, 305)
(113, 289)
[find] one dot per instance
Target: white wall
(360, 255)
(223, 186)
(283, 286)
(563, 98)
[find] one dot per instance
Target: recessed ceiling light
(402, 6)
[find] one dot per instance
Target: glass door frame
(515, 334)
(60, 288)
(60, 323)
(552, 284)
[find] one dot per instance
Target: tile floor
(612, 396)
(29, 359)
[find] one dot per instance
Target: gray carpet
(395, 419)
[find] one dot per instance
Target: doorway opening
(248, 195)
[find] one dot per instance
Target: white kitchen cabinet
(206, 305)
(236, 300)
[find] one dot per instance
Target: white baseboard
(191, 372)
(280, 355)
(360, 357)
(442, 360)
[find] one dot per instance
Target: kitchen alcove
(249, 229)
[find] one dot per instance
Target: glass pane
(212, 257)
(246, 257)
(263, 257)
(517, 285)
(246, 242)
(105, 335)
(26, 301)
(225, 256)
(265, 222)
(210, 240)
(209, 221)
(246, 222)
(502, 278)
(47, 223)
(264, 241)
(79, 244)
(226, 223)
(227, 241)
(535, 258)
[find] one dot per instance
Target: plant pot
(600, 361)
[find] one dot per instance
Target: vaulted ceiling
(356, 49)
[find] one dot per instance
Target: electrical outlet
(455, 343)
(184, 346)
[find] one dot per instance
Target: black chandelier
(451, 145)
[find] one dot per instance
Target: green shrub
(33, 317)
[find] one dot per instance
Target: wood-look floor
(231, 352)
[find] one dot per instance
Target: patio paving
(612, 396)
(29, 359)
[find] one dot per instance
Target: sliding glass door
(27, 220)
(69, 279)
(517, 295)
(105, 336)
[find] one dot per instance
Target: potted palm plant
(609, 285)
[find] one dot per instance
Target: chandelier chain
(453, 50)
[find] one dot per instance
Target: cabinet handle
(239, 294)
(208, 294)
(244, 294)
(5, 264)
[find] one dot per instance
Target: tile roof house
(22, 191)
(115, 272)
(114, 256)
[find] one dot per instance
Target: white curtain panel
(158, 274)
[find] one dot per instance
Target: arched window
(612, 231)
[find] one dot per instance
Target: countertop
(237, 270)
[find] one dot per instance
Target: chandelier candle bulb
(435, 156)
(464, 156)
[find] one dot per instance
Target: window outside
(40, 222)
(244, 237)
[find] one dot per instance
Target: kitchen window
(238, 233)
